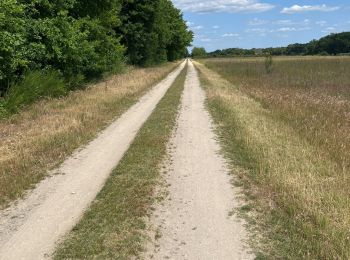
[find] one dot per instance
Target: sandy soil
(194, 222)
(30, 228)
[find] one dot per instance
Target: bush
(3, 111)
(268, 63)
(35, 85)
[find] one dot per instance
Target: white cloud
(256, 22)
(259, 30)
(306, 8)
(284, 22)
(321, 23)
(230, 35)
(198, 27)
(216, 27)
(189, 23)
(292, 29)
(227, 6)
(287, 29)
(205, 40)
(330, 29)
(290, 22)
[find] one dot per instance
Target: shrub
(35, 85)
(268, 63)
(3, 111)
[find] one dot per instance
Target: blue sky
(262, 23)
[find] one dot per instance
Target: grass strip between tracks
(114, 225)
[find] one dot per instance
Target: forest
(48, 47)
(333, 44)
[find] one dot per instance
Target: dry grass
(312, 94)
(114, 227)
(298, 187)
(42, 136)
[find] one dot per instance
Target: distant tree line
(333, 44)
(77, 40)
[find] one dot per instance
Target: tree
(153, 31)
(198, 52)
(12, 42)
(82, 39)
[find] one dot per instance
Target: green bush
(35, 85)
(83, 40)
(3, 111)
(268, 63)
(12, 42)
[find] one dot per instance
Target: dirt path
(31, 228)
(195, 222)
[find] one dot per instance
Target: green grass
(35, 85)
(297, 193)
(114, 225)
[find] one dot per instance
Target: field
(287, 134)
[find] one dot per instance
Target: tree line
(77, 40)
(333, 44)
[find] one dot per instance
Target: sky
(224, 24)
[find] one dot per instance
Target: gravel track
(194, 222)
(31, 228)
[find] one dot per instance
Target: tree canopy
(82, 39)
(198, 52)
(333, 44)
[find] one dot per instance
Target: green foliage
(36, 85)
(268, 63)
(153, 31)
(334, 44)
(12, 42)
(198, 52)
(3, 110)
(84, 39)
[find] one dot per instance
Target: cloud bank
(307, 8)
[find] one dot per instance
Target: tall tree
(12, 42)
(153, 31)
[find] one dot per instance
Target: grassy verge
(299, 200)
(113, 227)
(41, 137)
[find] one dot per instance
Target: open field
(287, 134)
(311, 94)
(40, 138)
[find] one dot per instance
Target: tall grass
(287, 134)
(45, 133)
(310, 94)
(35, 85)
